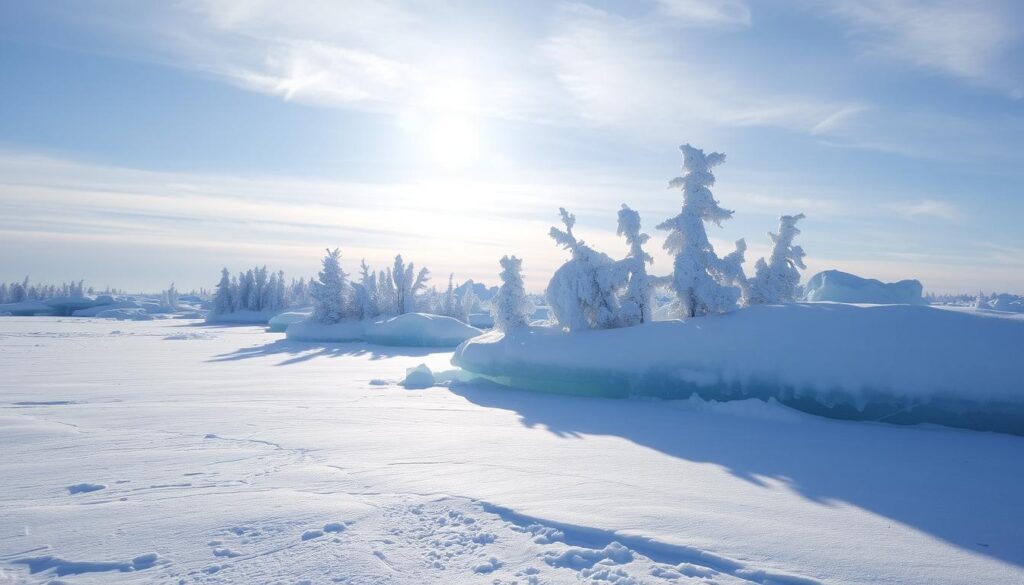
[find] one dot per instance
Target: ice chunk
(418, 377)
(843, 287)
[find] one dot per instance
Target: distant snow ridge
(843, 287)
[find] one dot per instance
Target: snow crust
(899, 363)
(843, 287)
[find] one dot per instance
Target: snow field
(238, 457)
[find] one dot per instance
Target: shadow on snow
(934, 479)
(299, 351)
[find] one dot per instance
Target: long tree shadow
(960, 486)
(298, 351)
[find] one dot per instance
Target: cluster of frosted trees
(594, 291)
(25, 290)
(395, 290)
(257, 289)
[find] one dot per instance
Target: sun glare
(444, 126)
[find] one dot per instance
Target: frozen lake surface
(171, 452)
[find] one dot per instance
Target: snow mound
(420, 330)
(136, 314)
(241, 318)
(843, 287)
(26, 309)
(106, 306)
(481, 320)
(418, 377)
(1006, 302)
(312, 331)
(898, 363)
(279, 323)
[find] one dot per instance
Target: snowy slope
(228, 455)
(895, 362)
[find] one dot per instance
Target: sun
(454, 140)
(445, 125)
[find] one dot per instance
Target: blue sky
(145, 142)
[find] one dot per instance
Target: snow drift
(420, 329)
(898, 363)
(410, 329)
(843, 287)
(279, 323)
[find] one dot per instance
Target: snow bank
(420, 330)
(312, 331)
(279, 323)
(106, 306)
(26, 309)
(843, 287)
(242, 318)
(899, 363)
(1006, 302)
(410, 330)
(66, 306)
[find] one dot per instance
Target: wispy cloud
(620, 72)
(926, 209)
(969, 40)
(707, 12)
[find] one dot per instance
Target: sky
(145, 142)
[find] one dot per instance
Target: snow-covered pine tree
(699, 277)
(636, 305)
(450, 305)
(329, 294)
(222, 302)
(280, 295)
(169, 298)
(776, 280)
(511, 307)
(583, 293)
(365, 303)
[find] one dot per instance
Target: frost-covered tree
(407, 284)
(169, 298)
(583, 293)
(329, 294)
(469, 302)
(365, 293)
(511, 307)
(777, 280)
(222, 299)
(451, 304)
(636, 305)
(700, 279)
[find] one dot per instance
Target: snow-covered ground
(172, 452)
